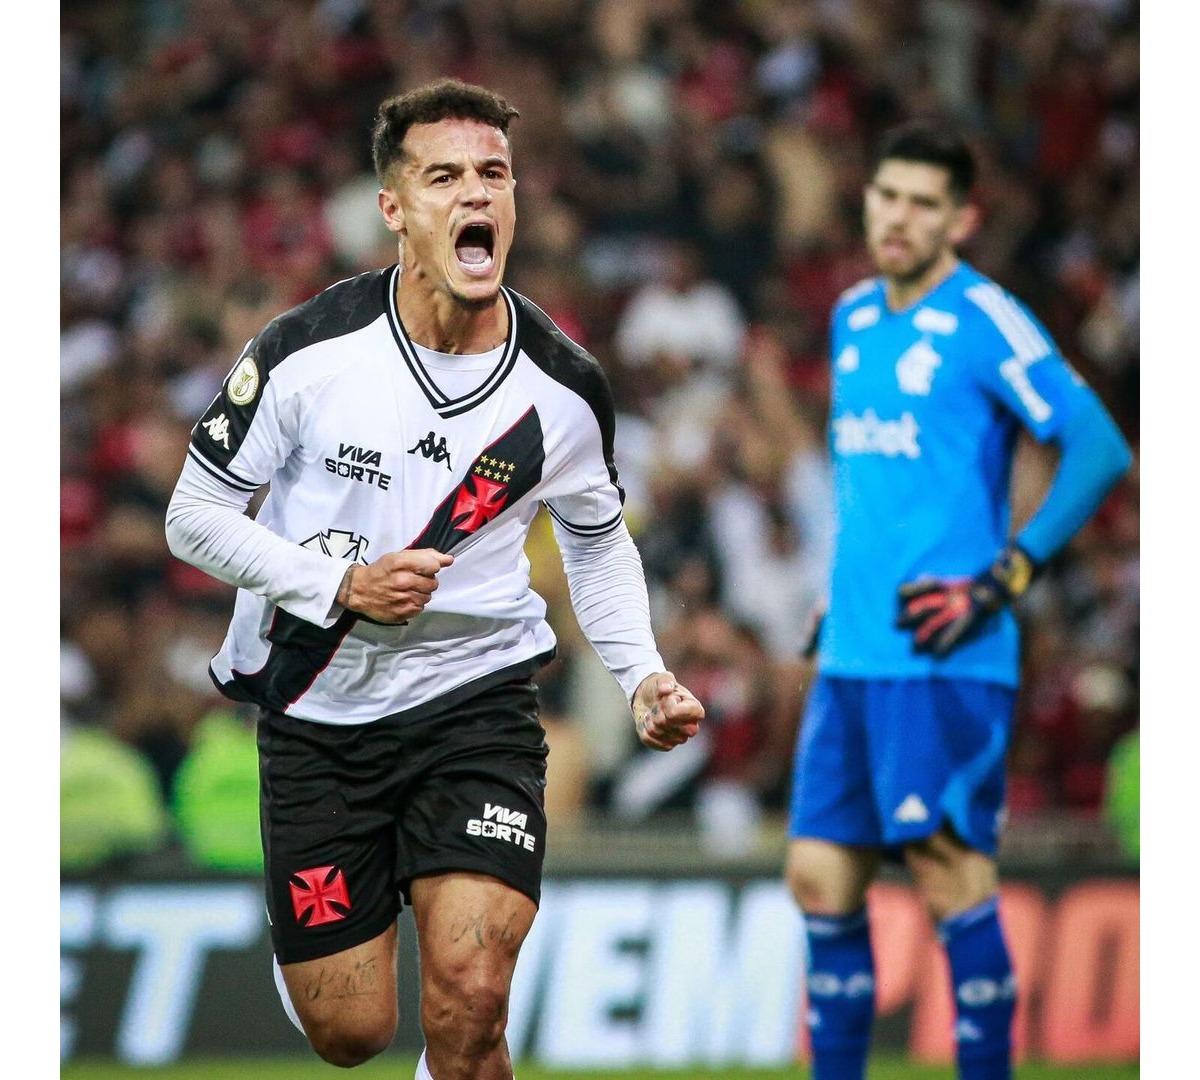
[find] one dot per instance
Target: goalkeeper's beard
(919, 272)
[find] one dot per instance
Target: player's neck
(444, 324)
(904, 292)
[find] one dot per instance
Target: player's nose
(474, 191)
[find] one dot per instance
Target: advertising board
(616, 971)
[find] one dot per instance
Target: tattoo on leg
(360, 982)
(485, 933)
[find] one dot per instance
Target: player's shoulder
(566, 361)
(859, 306)
(860, 290)
(990, 309)
(340, 309)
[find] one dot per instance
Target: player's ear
(967, 219)
(390, 208)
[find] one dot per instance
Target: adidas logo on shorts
(503, 824)
(911, 810)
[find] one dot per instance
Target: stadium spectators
(690, 178)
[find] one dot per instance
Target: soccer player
(410, 422)
(902, 748)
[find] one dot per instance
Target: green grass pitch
(401, 1068)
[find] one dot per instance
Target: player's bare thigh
(950, 876)
(470, 928)
(347, 1001)
(827, 878)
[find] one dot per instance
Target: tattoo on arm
(343, 593)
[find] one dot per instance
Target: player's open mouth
(474, 246)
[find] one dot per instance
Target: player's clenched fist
(665, 714)
(395, 587)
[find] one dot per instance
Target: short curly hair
(444, 99)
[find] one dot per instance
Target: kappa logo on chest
(434, 451)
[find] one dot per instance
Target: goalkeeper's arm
(942, 613)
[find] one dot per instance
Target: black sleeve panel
(573, 366)
(341, 309)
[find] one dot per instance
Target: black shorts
(351, 814)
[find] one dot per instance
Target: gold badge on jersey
(243, 383)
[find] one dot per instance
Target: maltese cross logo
(319, 895)
(473, 509)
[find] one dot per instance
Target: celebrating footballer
(410, 422)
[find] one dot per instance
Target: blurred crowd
(689, 188)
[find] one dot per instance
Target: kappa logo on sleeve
(218, 429)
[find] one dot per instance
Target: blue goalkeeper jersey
(926, 405)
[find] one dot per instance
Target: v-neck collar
(912, 306)
(444, 405)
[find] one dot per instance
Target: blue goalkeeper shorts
(885, 762)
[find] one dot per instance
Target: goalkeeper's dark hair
(928, 144)
(445, 99)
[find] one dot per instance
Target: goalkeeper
(935, 369)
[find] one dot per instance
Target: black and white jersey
(373, 444)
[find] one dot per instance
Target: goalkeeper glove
(942, 613)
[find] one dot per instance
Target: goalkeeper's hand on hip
(942, 613)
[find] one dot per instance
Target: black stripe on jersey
(586, 530)
(573, 366)
(444, 406)
(300, 651)
(221, 474)
(341, 309)
(505, 471)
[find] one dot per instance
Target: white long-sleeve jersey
(373, 444)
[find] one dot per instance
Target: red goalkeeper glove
(942, 613)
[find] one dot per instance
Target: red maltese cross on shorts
(319, 895)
